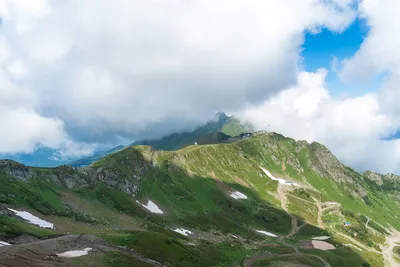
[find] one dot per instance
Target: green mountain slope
(227, 125)
(196, 188)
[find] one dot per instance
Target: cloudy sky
(79, 74)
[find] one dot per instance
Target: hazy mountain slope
(41, 156)
(222, 123)
(234, 127)
(193, 188)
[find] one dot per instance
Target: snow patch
(266, 233)
(152, 207)
(321, 238)
(238, 195)
(32, 219)
(2, 244)
(74, 253)
(183, 231)
(279, 180)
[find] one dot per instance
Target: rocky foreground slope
(260, 201)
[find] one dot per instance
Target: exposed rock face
(112, 178)
(16, 170)
(123, 174)
(72, 177)
(326, 164)
(374, 176)
(391, 177)
(388, 182)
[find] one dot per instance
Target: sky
(72, 81)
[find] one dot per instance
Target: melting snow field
(152, 207)
(74, 253)
(321, 238)
(238, 195)
(266, 233)
(32, 219)
(2, 244)
(280, 180)
(183, 231)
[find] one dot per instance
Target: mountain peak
(221, 116)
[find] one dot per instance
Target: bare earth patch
(316, 244)
(306, 244)
(322, 245)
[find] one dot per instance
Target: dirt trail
(42, 253)
(320, 212)
(321, 209)
(282, 197)
(392, 241)
(282, 190)
(248, 262)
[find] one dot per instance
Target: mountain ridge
(193, 188)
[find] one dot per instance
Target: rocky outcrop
(64, 175)
(114, 179)
(391, 177)
(325, 164)
(72, 177)
(374, 176)
(387, 182)
(17, 170)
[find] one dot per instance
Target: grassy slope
(192, 187)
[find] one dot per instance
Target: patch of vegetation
(117, 259)
(294, 260)
(39, 195)
(396, 251)
(166, 249)
(311, 231)
(10, 227)
(112, 198)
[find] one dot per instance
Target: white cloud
(96, 69)
(352, 128)
(25, 128)
(379, 53)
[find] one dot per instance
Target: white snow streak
(266, 233)
(152, 207)
(238, 195)
(321, 238)
(183, 231)
(280, 180)
(74, 253)
(2, 244)
(32, 219)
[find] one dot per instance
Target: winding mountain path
(392, 241)
(282, 197)
(282, 190)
